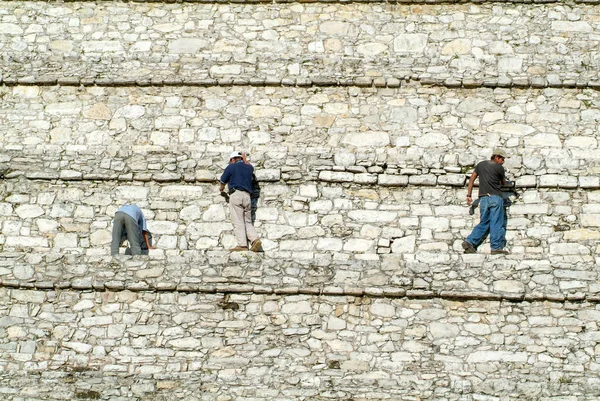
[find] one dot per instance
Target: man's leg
(134, 235)
(236, 209)
(253, 207)
(497, 230)
(117, 233)
(251, 233)
(482, 229)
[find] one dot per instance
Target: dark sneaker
(468, 247)
(499, 252)
(256, 246)
(238, 249)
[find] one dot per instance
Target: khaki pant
(239, 206)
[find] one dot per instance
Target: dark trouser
(253, 207)
(124, 226)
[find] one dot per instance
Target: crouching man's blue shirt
(238, 176)
(136, 213)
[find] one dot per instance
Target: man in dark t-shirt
(491, 204)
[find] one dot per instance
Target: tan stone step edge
(372, 292)
(550, 81)
(442, 178)
(345, 1)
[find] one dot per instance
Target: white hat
(234, 154)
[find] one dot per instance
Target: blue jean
(492, 221)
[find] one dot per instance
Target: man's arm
(244, 158)
(145, 235)
(470, 188)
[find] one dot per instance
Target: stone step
(422, 275)
(431, 136)
(328, 43)
(65, 345)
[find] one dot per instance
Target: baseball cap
(234, 154)
(500, 152)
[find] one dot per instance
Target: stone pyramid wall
(363, 120)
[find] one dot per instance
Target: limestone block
(23, 272)
(388, 180)
(46, 225)
(456, 180)
(321, 206)
(190, 343)
(101, 46)
(181, 192)
(336, 176)
(11, 228)
(63, 109)
(372, 216)
(25, 242)
(130, 192)
(509, 286)
(568, 249)
(190, 213)
(301, 307)
(329, 244)
(589, 182)
(423, 179)
(170, 122)
(79, 347)
(96, 321)
(100, 238)
(365, 178)
(99, 111)
(367, 139)
(344, 158)
(214, 213)
(65, 240)
(358, 245)
(410, 43)
(84, 305)
(260, 111)
(29, 211)
(443, 330)
(497, 356)
(457, 46)
(186, 45)
(335, 28)
(162, 227)
(512, 129)
(6, 209)
(296, 245)
(571, 26)
(561, 181)
(404, 245)
(277, 231)
(382, 309)
(582, 234)
(268, 175)
(528, 208)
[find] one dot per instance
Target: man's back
(491, 176)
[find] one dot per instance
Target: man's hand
(469, 200)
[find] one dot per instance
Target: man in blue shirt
(238, 177)
(130, 224)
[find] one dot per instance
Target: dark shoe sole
(499, 252)
(256, 246)
(468, 247)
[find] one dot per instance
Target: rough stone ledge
(561, 181)
(389, 82)
(327, 291)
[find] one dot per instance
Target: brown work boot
(499, 252)
(256, 246)
(468, 247)
(238, 249)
